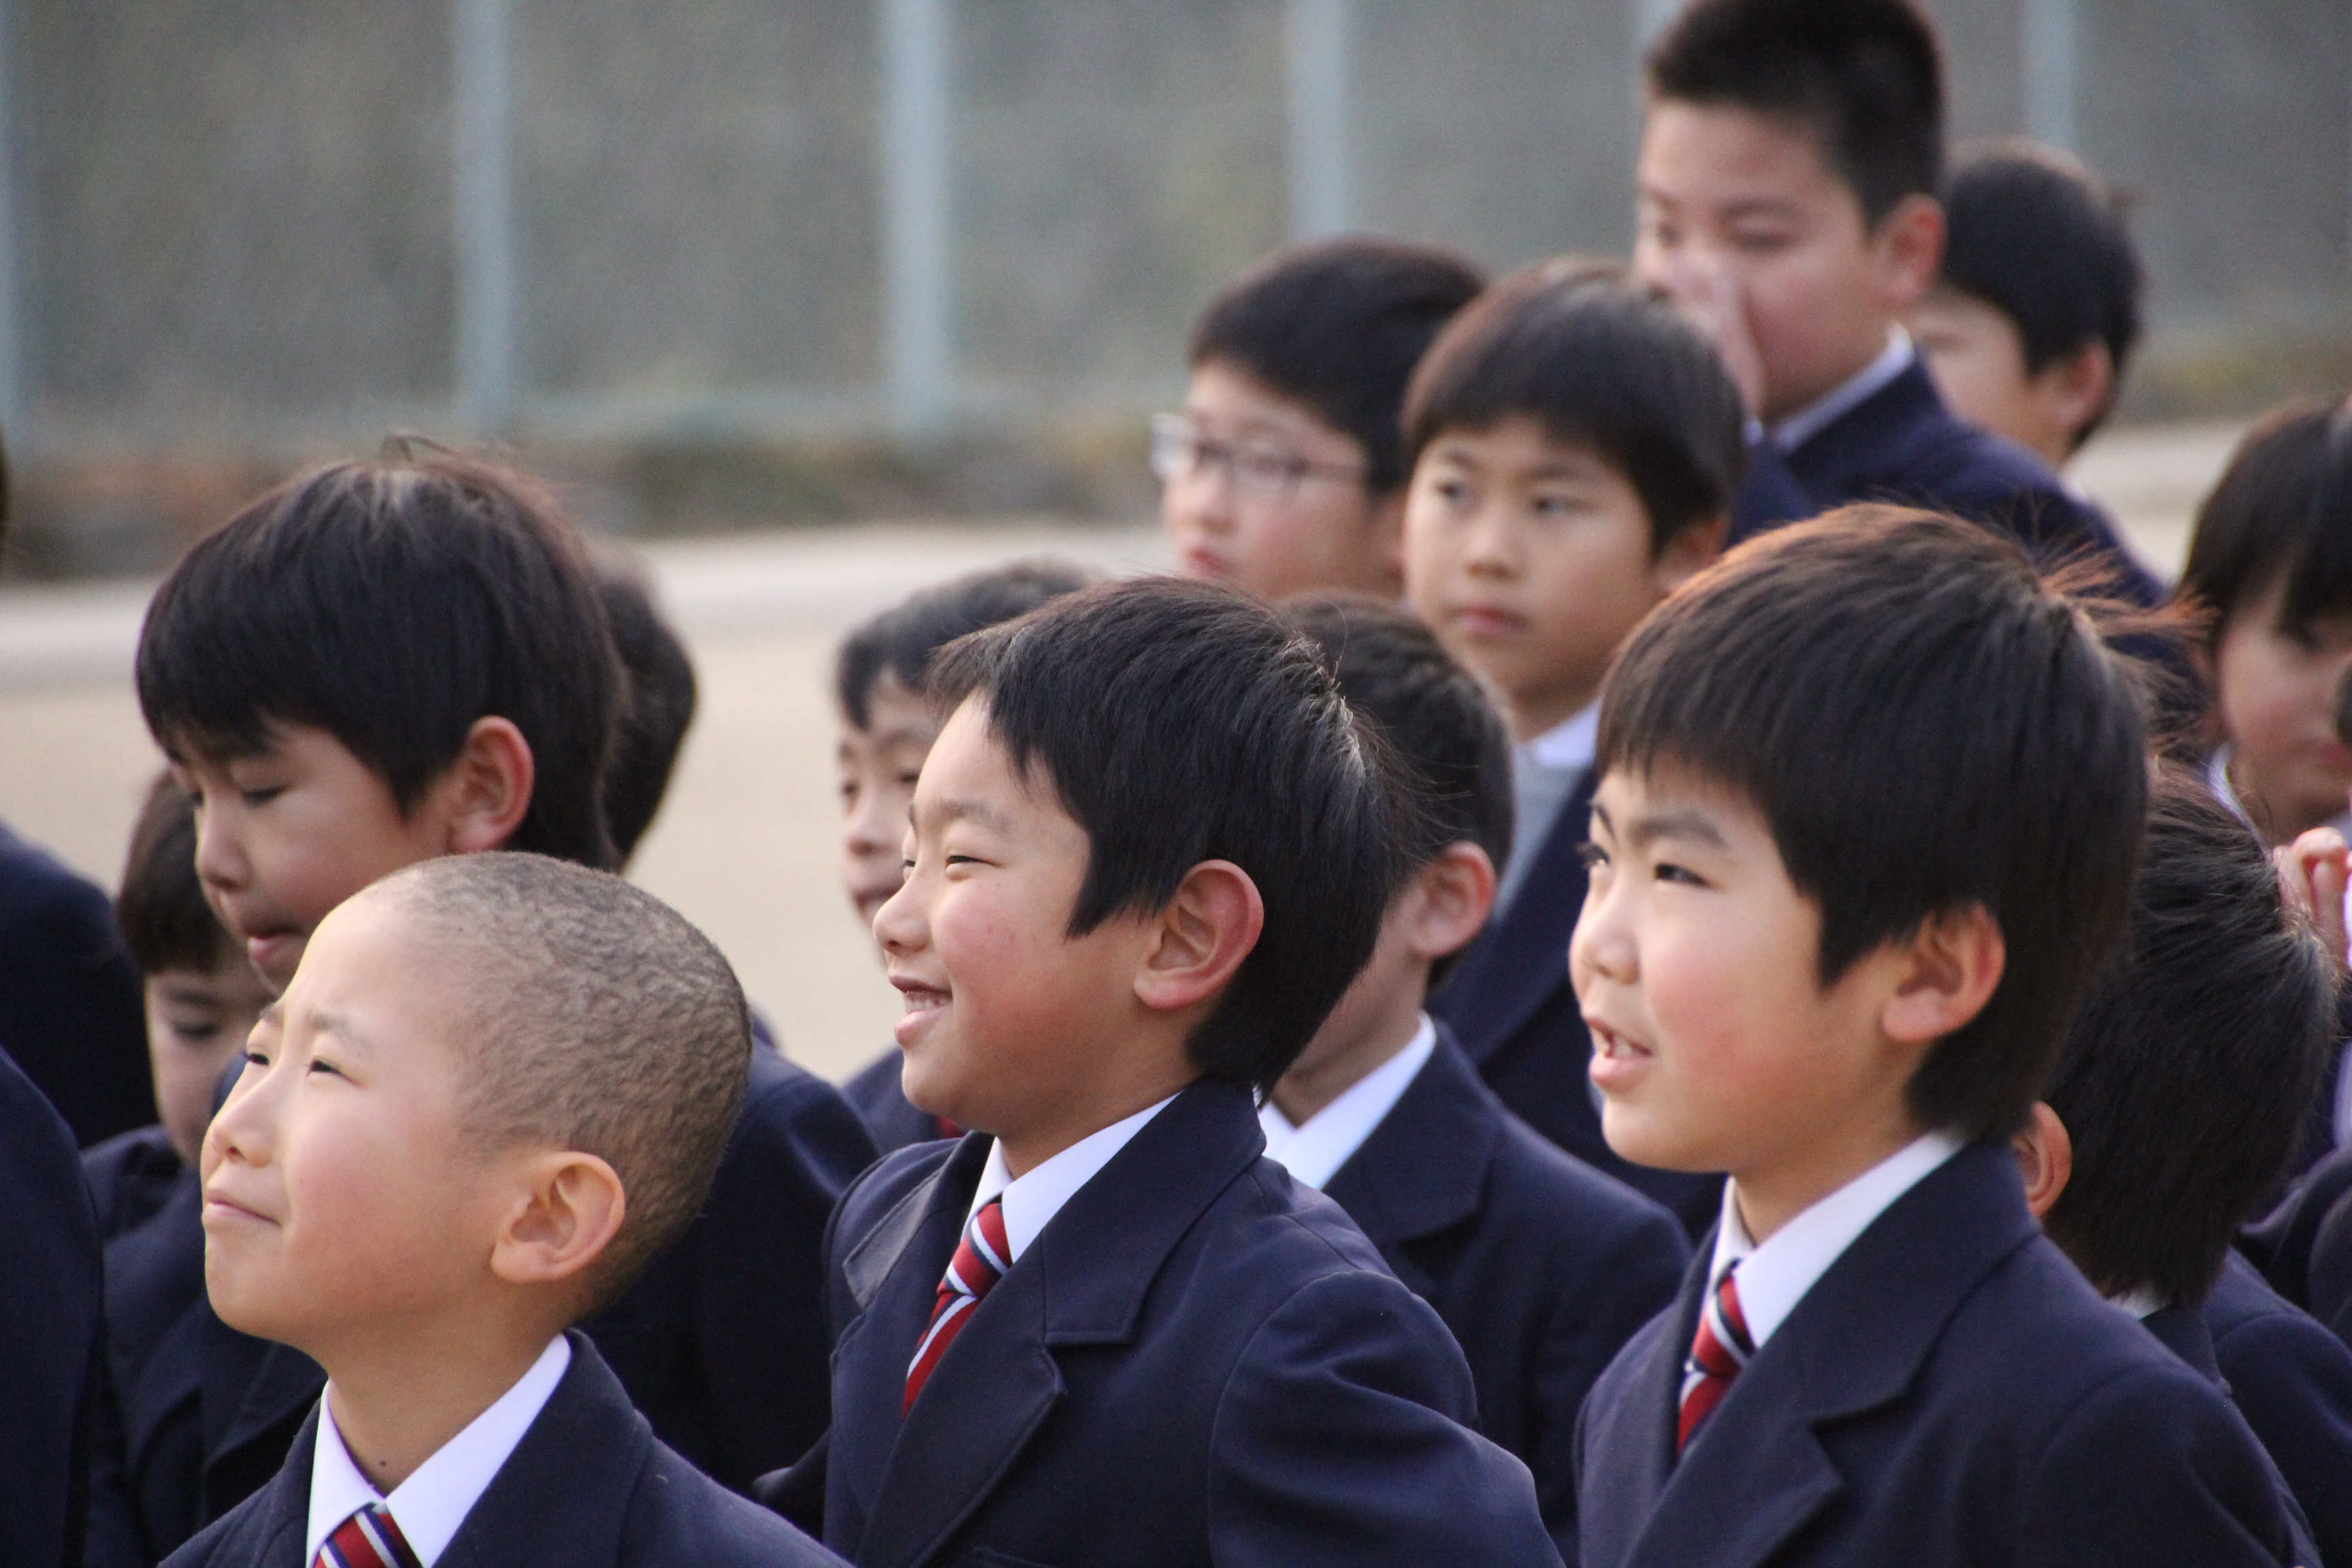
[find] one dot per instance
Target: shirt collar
(431, 1504)
(1568, 746)
(1032, 1202)
(1841, 399)
(1314, 1151)
(1775, 1276)
(2144, 1302)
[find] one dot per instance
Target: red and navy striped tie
(980, 1261)
(1719, 1349)
(367, 1540)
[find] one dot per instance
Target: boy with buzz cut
(1790, 158)
(1147, 853)
(1576, 445)
(496, 1087)
(1872, 796)
(2036, 313)
(2176, 1107)
(1284, 473)
(384, 662)
(1541, 1265)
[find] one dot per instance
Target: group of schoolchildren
(1640, 960)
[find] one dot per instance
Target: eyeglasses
(1262, 471)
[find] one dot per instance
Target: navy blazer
(1541, 1265)
(51, 1366)
(723, 1341)
(589, 1483)
(1902, 444)
(876, 1095)
(1198, 1360)
(70, 1008)
(2305, 1246)
(131, 1176)
(1511, 1007)
(2293, 1381)
(1950, 1391)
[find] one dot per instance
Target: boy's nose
(898, 924)
(220, 859)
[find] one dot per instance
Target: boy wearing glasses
(1286, 471)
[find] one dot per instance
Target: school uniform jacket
(2305, 1247)
(1902, 444)
(70, 1009)
(1196, 1361)
(589, 1483)
(1511, 1007)
(2293, 1381)
(1949, 1392)
(878, 1098)
(51, 1345)
(1540, 1265)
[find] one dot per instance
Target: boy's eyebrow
(1690, 825)
(961, 808)
(335, 1021)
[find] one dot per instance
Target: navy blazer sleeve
(2293, 1380)
(71, 1010)
(760, 1275)
(1355, 1363)
(50, 1329)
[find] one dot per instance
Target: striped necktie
(980, 1261)
(1719, 1349)
(367, 1540)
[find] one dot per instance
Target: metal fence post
(2050, 64)
(482, 83)
(1314, 49)
(918, 281)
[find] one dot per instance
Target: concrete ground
(744, 843)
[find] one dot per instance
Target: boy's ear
(573, 1207)
(487, 791)
(1201, 937)
(1909, 241)
(1953, 964)
(1451, 896)
(2046, 1157)
(2074, 389)
(1689, 553)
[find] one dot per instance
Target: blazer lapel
(562, 1494)
(279, 1382)
(1521, 959)
(274, 1535)
(1422, 1169)
(1757, 1472)
(1082, 1281)
(1627, 1441)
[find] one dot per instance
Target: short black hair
(1182, 721)
(2187, 1072)
(1338, 325)
(1865, 77)
(2033, 234)
(392, 604)
(162, 911)
(902, 638)
(2281, 512)
(1925, 723)
(657, 702)
(1600, 362)
(1444, 726)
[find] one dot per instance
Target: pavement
(745, 845)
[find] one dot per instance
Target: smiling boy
(496, 1087)
(1871, 800)
(1147, 852)
(1785, 197)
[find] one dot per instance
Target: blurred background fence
(738, 259)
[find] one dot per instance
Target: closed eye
(1670, 872)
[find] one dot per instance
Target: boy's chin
(1637, 1141)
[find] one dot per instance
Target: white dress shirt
(1841, 399)
(430, 1505)
(1775, 1276)
(1314, 1151)
(1032, 1202)
(1543, 776)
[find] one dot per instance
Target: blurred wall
(239, 228)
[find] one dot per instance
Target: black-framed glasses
(1260, 469)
